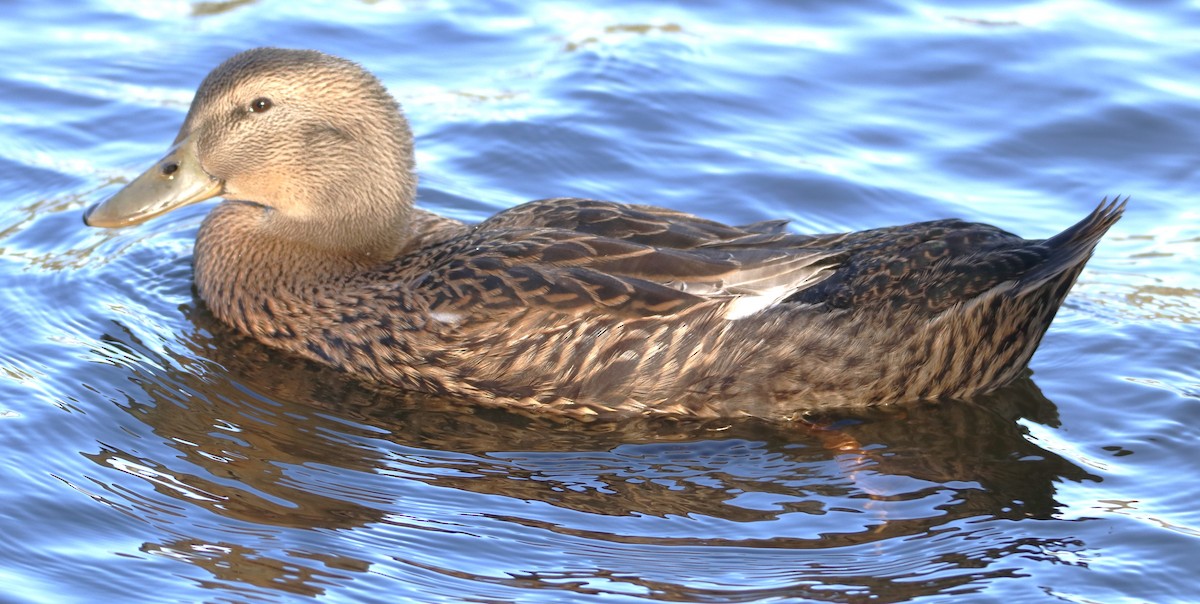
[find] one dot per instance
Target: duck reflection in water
(264, 454)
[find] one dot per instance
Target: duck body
(583, 307)
(573, 306)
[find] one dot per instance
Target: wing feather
(580, 256)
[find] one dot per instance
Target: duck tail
(1037, 295)
(1003, 328)
(1071, 249)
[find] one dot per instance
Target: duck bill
(175, 181)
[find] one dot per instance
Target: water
(153, 456)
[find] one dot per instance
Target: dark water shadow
(247, 426)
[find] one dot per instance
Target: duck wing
(650, 225)
(498, 269)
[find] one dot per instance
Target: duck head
(314, 141)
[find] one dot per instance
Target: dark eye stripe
(260, 105)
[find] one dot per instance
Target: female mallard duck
(572, 305)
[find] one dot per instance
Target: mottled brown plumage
(572, 305)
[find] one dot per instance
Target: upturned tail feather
(1073, 247)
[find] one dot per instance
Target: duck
(568, 306)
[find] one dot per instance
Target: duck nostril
(170, 168)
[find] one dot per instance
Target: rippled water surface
(152, 455)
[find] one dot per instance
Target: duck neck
(264, 283)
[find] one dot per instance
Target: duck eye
(260, 105)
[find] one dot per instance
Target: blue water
(151, 455)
